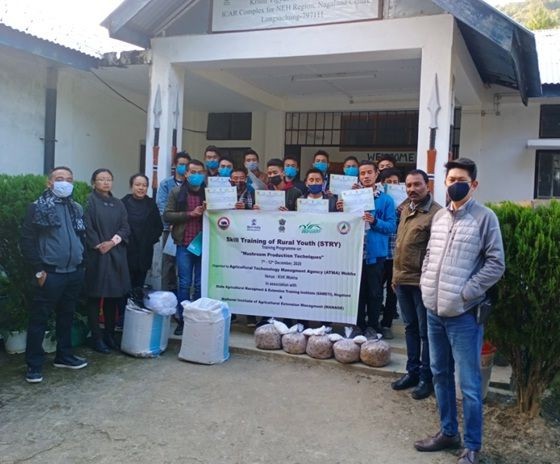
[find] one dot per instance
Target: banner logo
(223, 223)
(310, 228)
(343, 227)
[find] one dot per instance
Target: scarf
(45, 211)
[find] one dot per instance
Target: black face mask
(275, 180)
(458, 190)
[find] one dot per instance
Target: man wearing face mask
(291, 174)
(168, 271)
(52, 242)
(245, 196)
(184, 211)
(225, 167)
(321, 162)
(464, 258)
(255, 177)
(276, 181)
(314, 185)
(212, 160)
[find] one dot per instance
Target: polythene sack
(319, 347)
(294, 342)
(375, 353)
(346, 351)
(163, 303)
(267, 337)
(145, 333)
(206, 331)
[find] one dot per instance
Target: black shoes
(422, 390)
(179, 328)
(406, 381)
(438, 442)
(111, 343)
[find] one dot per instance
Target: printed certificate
(359, 200)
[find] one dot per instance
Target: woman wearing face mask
(184, 211)
(107, 276)
(145, 229)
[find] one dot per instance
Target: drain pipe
(49, 139)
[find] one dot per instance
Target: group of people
(437, 262)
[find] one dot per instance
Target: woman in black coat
(107, 277)
(145, 229)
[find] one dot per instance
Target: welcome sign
(284, 264)
(239, 15)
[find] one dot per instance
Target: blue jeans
(60, 294)
(188, 272)
(457, 340)
(416, 331)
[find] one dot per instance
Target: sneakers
(70, 362)
(33, 375)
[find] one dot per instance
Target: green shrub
(526, 322)
(16, 193)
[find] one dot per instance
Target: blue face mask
(321, 166)
(181, 169)
(315, 188)
(290, 171)
(196, 179)
(351, 171)
(212, 164)
(252, 165)
(224, 171)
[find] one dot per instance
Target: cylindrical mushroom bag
(294, 343)
(319, 347)
(375, 353)
(267, 337)
(346, 351)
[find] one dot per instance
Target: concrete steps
(242, 341)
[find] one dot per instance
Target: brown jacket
(413, 235)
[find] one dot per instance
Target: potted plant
(13, 320)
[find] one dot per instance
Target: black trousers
(111, 307)
(371, 295)
(390, 307)
(60, 294)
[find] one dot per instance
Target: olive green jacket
(413, 235)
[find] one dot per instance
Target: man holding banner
(380, 223)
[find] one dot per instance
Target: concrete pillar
(166, 93)
(167, 80)
(436, 60)
(275, 124)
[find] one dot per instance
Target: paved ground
(251, 409)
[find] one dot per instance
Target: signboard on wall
(242, 15)
(402, 157)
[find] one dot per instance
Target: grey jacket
(52, 248)
(464, 258)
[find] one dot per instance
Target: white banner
(240, 15)
(284, 264)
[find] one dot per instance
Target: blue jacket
(377, 237)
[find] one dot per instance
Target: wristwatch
(40, 274)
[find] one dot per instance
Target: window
(547, 180)
(229, 126)
(550, 122)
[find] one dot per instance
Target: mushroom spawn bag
(346, 351)
(268, 338)
(319, 347)
(294, 343)
(375, 353)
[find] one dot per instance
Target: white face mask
(62, 188)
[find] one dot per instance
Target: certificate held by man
(338, 183)
(312, 205)
(217, 181)
(221, 198)
(270, 200)
(358, 200)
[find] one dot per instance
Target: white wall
(22, 113)
(96, 128)
(498, 145)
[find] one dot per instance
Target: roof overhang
(503, 51)
(66, 56)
